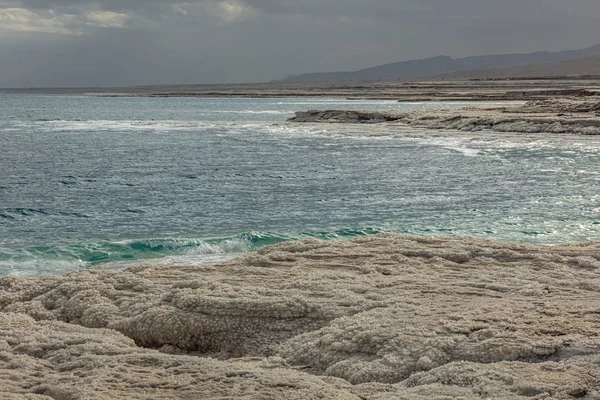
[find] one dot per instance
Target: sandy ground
(380, 317)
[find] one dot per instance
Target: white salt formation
(380, 317)
(544, 116)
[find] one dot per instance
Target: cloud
(106, 19)
(231, 10)
(90, 42)
(69, 17)
(23, 20)
(225, 11)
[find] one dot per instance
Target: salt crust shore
(406, 91)
(380, 317)
(571, 116)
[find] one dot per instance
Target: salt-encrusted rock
(346, 116)
(547, 116)
(515, 379)
(379, 317)
(391, 344)
(54, 360)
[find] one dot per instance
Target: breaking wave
(40, 260)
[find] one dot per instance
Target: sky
(59, 43)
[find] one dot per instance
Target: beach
(283, 200)
(486, 287)
(379, 317)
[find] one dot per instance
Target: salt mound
(572, 116)
(54, 360)
(379, 317)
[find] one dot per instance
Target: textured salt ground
(564, 116)
(382, 317)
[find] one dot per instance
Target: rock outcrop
(347, 117)
(56, 360)
(379, 317)
(547, 116)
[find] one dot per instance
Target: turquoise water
(104, 182)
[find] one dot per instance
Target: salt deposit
(545, 116)
(380, 317)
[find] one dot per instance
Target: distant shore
(404, 91)
(568, 115)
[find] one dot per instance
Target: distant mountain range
(441, 65)
(588, 66)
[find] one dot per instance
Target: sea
(107, 182)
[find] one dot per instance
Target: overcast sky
(130, 42)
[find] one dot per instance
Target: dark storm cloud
(119, 42)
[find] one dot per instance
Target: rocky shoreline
(378, 317)
(571, 116)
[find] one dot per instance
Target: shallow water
(102, 182)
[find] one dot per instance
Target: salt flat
(378, 317)
(550, 116)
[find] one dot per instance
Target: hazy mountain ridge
(577, 67)
(440, 65)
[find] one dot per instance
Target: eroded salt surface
(566, 116)
(380, 317)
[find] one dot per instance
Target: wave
(265, 112)
(77, 126)
(15, 213)
(38, 260)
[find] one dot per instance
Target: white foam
(117, 126)
(36, 267)
(266, 112)
(223, 247)
(466, 151)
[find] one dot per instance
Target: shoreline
(383, 316)
(397, 90)
(570, 116)
(375, 317)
